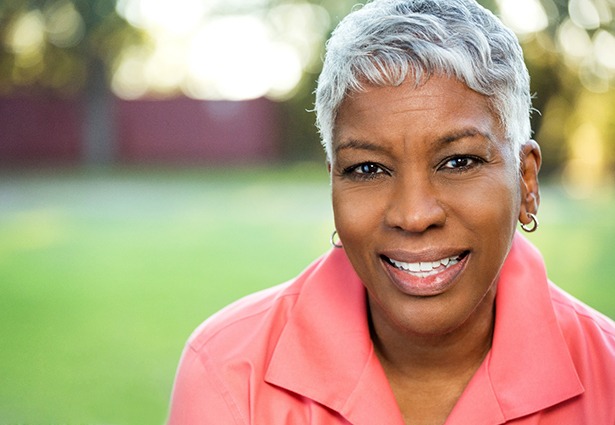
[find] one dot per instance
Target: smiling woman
(431, 309)
(430, 182)
(444, 199)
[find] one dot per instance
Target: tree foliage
(59, 45)
(52, 45)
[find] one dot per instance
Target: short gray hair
(386, 41)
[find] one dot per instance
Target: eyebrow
(462, 134)
(360, 145)
(446, 139)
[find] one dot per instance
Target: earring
(332, 240)
(534, 224)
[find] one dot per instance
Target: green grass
(104, 275)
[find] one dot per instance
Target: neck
(457, 352)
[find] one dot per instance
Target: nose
(414, 205)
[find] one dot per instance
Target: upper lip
(424, 255)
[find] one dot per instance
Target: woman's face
(426, 196)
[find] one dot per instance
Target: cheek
(356, 213)
(488, 205)
(482, 206)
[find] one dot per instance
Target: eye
(368, 168)
(461, 163)
(364, 171)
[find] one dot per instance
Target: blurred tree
(77, 47)
(572, 64)
(66, 48)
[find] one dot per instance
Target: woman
(431, 309)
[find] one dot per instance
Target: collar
(325, 352)
(529, 367)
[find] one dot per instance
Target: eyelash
(352, 171)
(377, 169)
(473, 162)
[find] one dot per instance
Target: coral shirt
(301, 353)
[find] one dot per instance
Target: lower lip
(427, 286)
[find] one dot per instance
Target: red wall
(48, 131)
(187, 131)
(39, 131)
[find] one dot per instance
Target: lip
(424, 284)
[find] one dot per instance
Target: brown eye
(460, 163)
(368, 168)
(365, 171)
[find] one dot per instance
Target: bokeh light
(523, 16)
(248, 49)
(198, 50)
(27, 34)
(64, 26)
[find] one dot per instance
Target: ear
(531, 159)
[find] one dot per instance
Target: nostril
(416, 220)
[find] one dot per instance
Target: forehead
(441, 105)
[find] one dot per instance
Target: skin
(418, 175)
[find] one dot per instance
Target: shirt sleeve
(199, 396)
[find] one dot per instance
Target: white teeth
(413, 267)
(425, 266)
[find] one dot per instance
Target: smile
(426, 268)
(425, 278)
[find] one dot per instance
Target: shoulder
(250, 313)
(575, 316)
(252, 320)
(223, 355)
(590, 337)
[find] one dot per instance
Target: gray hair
(386, 41)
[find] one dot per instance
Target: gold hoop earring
(534, 224)
(332, 240)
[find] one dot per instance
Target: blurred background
(158, 160)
